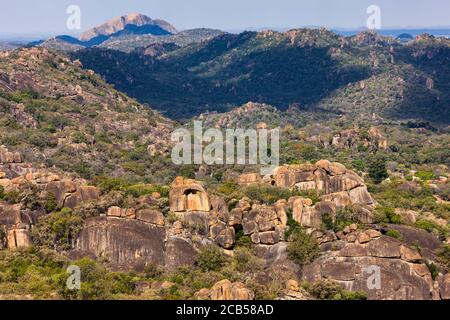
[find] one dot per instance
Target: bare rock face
(10, 215)
(125, 243)
(188, 195)
(361, 257)
(225, 290)
(9, 157)
(265, 224)
(152, 216)
(19, 238)
(444, 283)
(226, 238)
(179, 252)
(411, 236)
(83, 194)
(332, 180)
(15, 223)
(131, 239)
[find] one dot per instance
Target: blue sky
(31, 17)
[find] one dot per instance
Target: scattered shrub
(246, 261)
(344, 218)
(291, 224)
(329, 290)
(210, 258)
(387, 215)
(433, 227)
(302, 248)
(434, 270)
(394, 234)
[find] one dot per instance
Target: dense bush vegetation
(58, 230)
(302, 248)
(329, 290)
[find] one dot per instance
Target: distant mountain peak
(120, 23)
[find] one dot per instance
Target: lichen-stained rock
(384, 247)
(340, 199)
(290, 176)
(226, 238)
(276, 259)
(61, 189)
(83, 194)
(188, 195)
(355, 265)
(178, 252)
(411, 236)
(18, 238)
(10, 214)
(281, 209)
(269, 237)
(117, 212)
(219, 208)
(265, 223)
(124, 243)
(360, 195)
(153, 216)
(235, 217)
(345, 182)
(305, 214)
(225, 290)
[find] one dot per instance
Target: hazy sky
(49, 16)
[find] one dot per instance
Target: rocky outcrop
(178, 252)
(15, 176)
(9, 157)
(124, 243)
(329, 179)
(358, 259)
(427, 242)
(15, 224)
(19, 237)
(134, 238)
(338, 187)
(265, 224)
(117, 24)
(225, 290)
(188, 195)
(82, 194)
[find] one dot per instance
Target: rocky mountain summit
(120, 23)
(133, 24)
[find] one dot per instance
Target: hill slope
(57, 114)
(366, 74)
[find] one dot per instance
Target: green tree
(211, 258)
(377, 170)
(302, 248)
